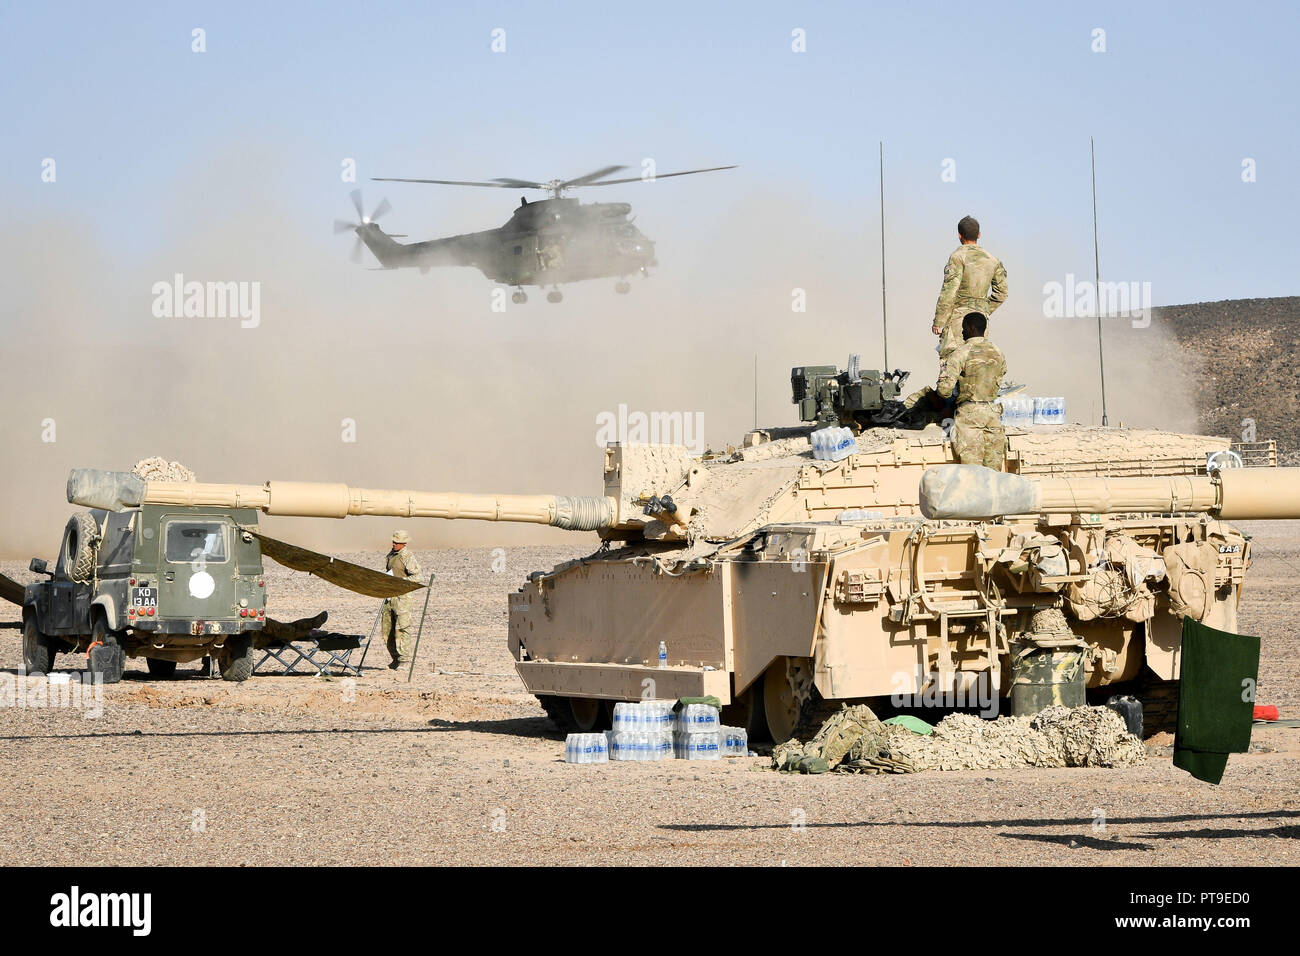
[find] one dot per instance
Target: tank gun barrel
(114, 491)
(972, 492)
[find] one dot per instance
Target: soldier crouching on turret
(971, 375)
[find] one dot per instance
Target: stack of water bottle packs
(833, 444)
(1021, 411)
(642, 731)
(656, 730)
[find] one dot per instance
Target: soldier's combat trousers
(978, 435)
(395, 625)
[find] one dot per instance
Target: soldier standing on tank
(395, 617)
(973, 281)
(973, 372)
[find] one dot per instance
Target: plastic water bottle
(845, 444)
(618, 748)
(622, 717)
(662, 743)
(659, 715)
(663, 654)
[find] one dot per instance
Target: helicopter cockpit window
(196, 540)
(519, 250)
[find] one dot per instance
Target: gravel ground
(460, 766)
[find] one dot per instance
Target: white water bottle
(663, 654)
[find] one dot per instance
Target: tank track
(815, 711)
(557, 708)
(1159, 699)
(1159, 704)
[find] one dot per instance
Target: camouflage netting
(160, 469)
(854, 741)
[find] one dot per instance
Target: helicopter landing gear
(519, 297)
(622, 287)
(555, 295)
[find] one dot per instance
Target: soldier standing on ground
(974, 371)
(395, 617)
(973, 281)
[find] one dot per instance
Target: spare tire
(80, 543)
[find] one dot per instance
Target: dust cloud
(440, 392)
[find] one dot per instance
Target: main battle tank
(784, 585)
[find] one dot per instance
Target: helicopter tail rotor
(364, 222)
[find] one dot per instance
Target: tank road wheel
(160, 668)
(787, 693)
(577, 715)
(38, 650)
(236, 658)
(1159, 706)
(746, 710)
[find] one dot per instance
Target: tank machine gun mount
(857, 398)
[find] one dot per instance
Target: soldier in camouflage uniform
(395, 617)
(974, 371)
(973, 281)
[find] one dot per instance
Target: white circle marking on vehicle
(202, 585)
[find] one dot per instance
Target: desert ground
(460, 766)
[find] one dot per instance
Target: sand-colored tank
(784, 585)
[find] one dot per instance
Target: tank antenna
(884, 314)
(755, 391)
(1096, 263)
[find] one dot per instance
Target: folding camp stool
(316, 652)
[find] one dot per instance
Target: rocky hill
(1248, 354)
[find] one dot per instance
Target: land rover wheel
(236, 658)
(38, 650)
(160, 668)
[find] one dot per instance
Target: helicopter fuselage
(545, 243)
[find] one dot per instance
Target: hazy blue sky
(1011, 92)
(225, 165)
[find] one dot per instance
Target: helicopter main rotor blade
(356, 251)
(382, 208)
(519, 184)
(508, 184)
(341, 226)
(590, 177)
(356, 201)
(638, 179)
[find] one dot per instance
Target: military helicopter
(546, 242)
